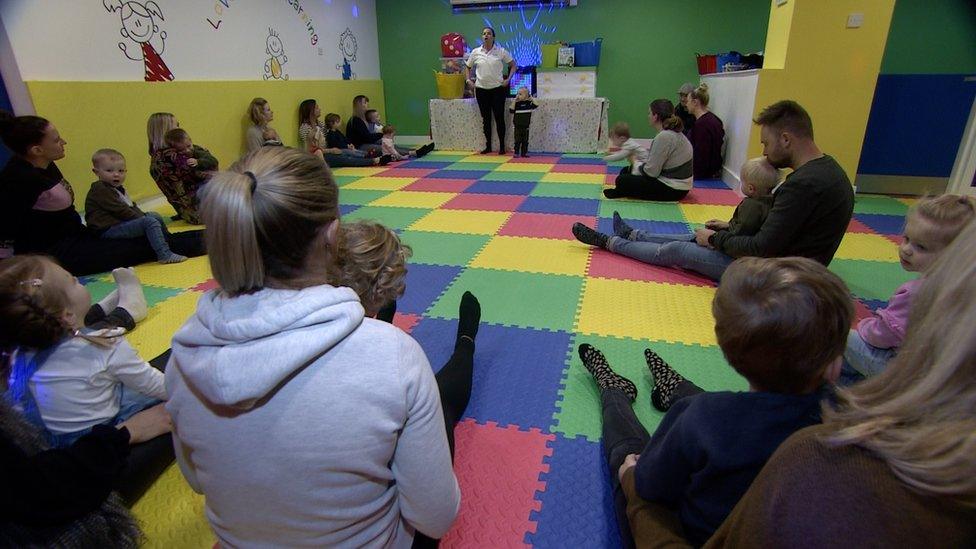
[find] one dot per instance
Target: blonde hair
(621, 129)
(159, 123)
(700, 94)
(948, 214)
(102, 154)
(761, 174)
(256, 111)
(919, 415)
(372, 260)
(263, 214)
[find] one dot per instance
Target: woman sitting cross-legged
(667, 174)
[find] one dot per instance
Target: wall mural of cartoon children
(348, 47)
(140, 24)
(272, 67)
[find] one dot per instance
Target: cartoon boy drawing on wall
(348, 47)
(140, 24)
(272, 67)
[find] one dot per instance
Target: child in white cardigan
(66, 377)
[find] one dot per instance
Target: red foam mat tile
(716, 197)
(440, 185)
(579, 168)
(856, 226)
(604, 264)
(541, 225)
(406, 172)
(498, 470)
(486, 202)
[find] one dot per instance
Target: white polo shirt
(489, 66)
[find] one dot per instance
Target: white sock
(109, 302)
(131, 297)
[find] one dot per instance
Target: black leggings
(492, 102)
(86, 253)
(644, 187)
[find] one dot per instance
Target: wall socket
(855, 20)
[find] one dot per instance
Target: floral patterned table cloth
(564, 125)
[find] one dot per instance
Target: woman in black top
(707, 135)
(37, 211)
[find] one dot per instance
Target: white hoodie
(305, 424)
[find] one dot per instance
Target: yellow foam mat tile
(379, 183)
(908, 201)
(647, 311)
(592, 178)
(527, 168)
(869, 247)
(410, 199)
(700, 213)
(191, 272)
(363, 171)
(461, 221)
(534, 255)
(171, 514)
(486, 158)
(153, 335)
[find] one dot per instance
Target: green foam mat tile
(579, 411)
(360, 197)
(875, 280)
(868, 204)
(512, 298)
(582, 155)
(568, 190)
(513, 176)
(642, 209)
(432, 248)
(395, 218)
(99, 288)
(436, 156)
(342, 180)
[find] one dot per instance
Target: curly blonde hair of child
(373, 262)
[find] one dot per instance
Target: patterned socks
(605, 377)
(620, 227)
(666, 379)
(587, 235)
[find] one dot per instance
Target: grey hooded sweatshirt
(305, 424)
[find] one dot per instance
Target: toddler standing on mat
(111, 212)
(522, 119)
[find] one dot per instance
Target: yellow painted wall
(829, 69)
(93, 115)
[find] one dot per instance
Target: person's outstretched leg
(454, 379)
(622, 433)
(131, 297)
(622, 229)
(669, 385)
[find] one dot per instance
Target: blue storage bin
(730, 58)
(587, 53)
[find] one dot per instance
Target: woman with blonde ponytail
(300, 420)
(706, 136)
(894, 463)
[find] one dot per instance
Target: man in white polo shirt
(491, 84)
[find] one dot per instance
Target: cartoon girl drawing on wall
(139, 24)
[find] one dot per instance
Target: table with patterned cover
(565, 125)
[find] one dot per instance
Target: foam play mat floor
(529, 458)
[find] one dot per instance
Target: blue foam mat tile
(577, 505)
(882, 224)
(711, 184)
(522, 188)
(425, 164)
(346, 209)
(425, 283)
(517, 371)
(459, 174)
(605, 225)
(589, 161)
(874, 304)
(571, 206)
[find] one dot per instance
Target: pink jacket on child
(886, 329)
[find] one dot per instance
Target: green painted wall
(929, 37)
(648, 49)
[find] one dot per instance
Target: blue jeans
(671, 250)
(354, 152)
(151, 225)
(862, 360)
(130, 403)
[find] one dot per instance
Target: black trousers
(645, 188)
(623, 435)
(492, 102)
(86, 253)
(521, 140)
